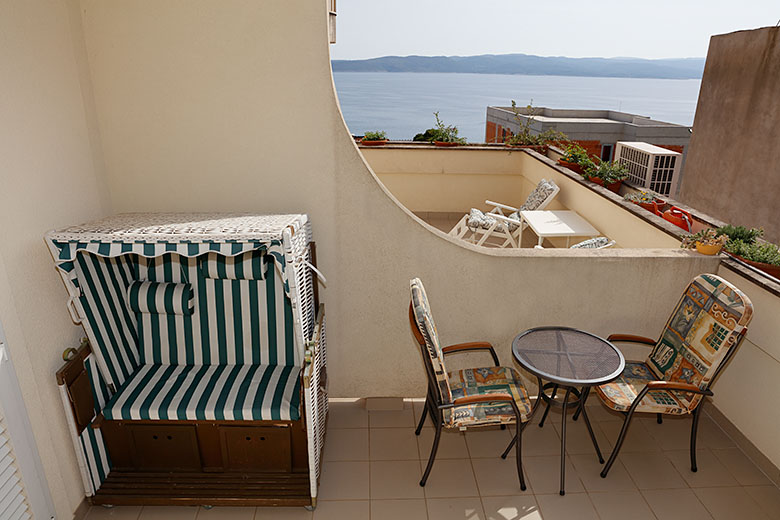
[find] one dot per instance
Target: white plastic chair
(591, 243)
(477, 227)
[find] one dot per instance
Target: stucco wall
(49, 175)
(732, 171)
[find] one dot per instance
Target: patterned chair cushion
(478, 219)
(209, 392)
(620, 393)
(490, 380)
(591, 243)
(427, 327)
(541, 193)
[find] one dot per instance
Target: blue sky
(608, 28)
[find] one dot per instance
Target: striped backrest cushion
(247, 266)
(160, 298)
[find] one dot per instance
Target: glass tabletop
(568, 356)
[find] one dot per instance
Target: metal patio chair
(465, 398)
(702, 334)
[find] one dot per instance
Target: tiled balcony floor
(373, 462)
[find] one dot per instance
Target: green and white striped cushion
(221, 392)
(160, 298)
(246, 266)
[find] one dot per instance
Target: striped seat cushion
(208, 392)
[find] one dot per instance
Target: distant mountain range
(676, 68)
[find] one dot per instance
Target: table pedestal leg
(549, 403)
(563, 442)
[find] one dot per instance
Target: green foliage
(379, 135)
(578, 155)
(441, 132)
(764, 252)
(742, 233)
(708, 237)
(644, 196)
(524, 136)
(609, 172)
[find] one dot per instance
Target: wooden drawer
(165, 447)
(256, 448)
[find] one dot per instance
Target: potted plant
(576, 159)
(377, 138)
(647, 199)
(742, 233)
(607, 174)
(761, 255)
(524, 138)
(441, 134)
(706, 241)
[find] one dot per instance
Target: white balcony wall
(50, 175)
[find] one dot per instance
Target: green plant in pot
(376, 138)
(525, 138)
(607, 174)
(706, 241)
(742, 233)
(577, 159)
(648, 199)
(441, 134)
(761, 255)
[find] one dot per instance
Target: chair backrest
(424, 330)
(541, 196)
(702, 333)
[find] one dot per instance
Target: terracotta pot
(652, 207)
(771, 270)
(679, 218)
(708, 249)
(445, 144)
(614, 187)
(373, 143)
(571, 165)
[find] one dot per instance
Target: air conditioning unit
(649, 166)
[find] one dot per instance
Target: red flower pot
(445, 144)
(373, 143)
(614, 187)
(771, 270)
(576, 168)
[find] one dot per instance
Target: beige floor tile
(676, 504)
(344, 481)
(452, 444)
(712, 436)
(741, 467)
(393, 418)
(342, 510)
(673, 434)
(588, 469)
(393, 444)
(487, 443)
(598, 412)
(711, 472)
(511, 508)
(498, 477)
(637, 438)
(114, 513)
(168, 513)
(556, 507)
(396, 479)
(399, 509)
(730, 503)
(542, 441)
(346, 444)
(544, 475)
(621, 505)
(652, 470)
(282, 513)
(578, 439)
(417, 406)
(768, 498)
(455, 509)
(347, 414)
(451, 478)
(227, 513)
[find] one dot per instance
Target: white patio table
(557, 223)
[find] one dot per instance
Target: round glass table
(571, 360)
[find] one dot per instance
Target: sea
(403, 103)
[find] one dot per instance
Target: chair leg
(511, 443)
(422, 417)
(618, 444)
(659, 418)
(694, 430)
(519, 455)
(435, 447)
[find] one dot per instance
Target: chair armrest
(677, 385)
(474, 345)
(483, 398)
(630, 338)
(504, 218)
(499, 205)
